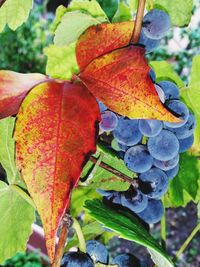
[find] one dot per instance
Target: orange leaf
(120, 80)
(101, 39)
(13, 88)
(55, 135)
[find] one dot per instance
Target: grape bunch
(98, 253)
(150, 148)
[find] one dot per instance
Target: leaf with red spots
(13, 89)
(101, 39)
(120, 79)
(55, 135)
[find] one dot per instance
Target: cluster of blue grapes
(98, 253)
(150, 148)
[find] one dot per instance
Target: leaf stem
(81, 238)
(66, 221)
(138, 22)
(133, 182)
(186, 243)
(163, 230)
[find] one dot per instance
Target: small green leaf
(60, 12)
(180, 11)
(72, 25)
(14, 13)
(159, 260)
(61, 61)
(123, 13)
(191, 96)
(16, 218)
(109, 6)
(164, 71)
(125, 224)
(133, 4)
(90, 231)
(184, 187)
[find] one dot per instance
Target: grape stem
(138, 22)
(163, 229)
(81, 238)
(66, 221)
(186, 243)
(133, 182)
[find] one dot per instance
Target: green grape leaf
(126, 225)
(159, 260)
(105, 180)
(133, 4)
(90, 231)
(123, 13)
(14, 13)
(16, 218)
(180, 11)
(109, 7)
(60, 12)
(191, 96)
(184, 187)
(72, 25)
(164, 71)
(61, 61)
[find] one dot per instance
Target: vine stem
(77, 228)
(163, 229)
(133, 182)
(186, 243)
(138, 22)
(62, 240)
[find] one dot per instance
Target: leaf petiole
(81, 238)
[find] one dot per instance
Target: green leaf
(125, 224)
(90, 231)
(14, 13)
(180, 11)
(133, 4)
(60, 12)
(72, 25)
(16, 218)
(159, 260)
(164, 71)
(191, 96)
(109, 6)
(61, 62)
(105, 180)
(123, 13)
(184, 187)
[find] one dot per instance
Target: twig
(66, 221)
(81, 239)
(186, 243)
(163, 230)
(2, 2)
(138, 22)
(133, 182)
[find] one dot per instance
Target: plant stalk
(62, 240)
(138, 22)
(163, 230)
(186, 243)
(77, 228)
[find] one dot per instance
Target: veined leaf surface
(55, 136)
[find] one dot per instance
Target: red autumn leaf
(120, 80)
(101, 39)
(13, 88)
(55, 135)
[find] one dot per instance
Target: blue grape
(74, 259)
(153, 183)
(134, 200)
(180, 110)
(160, 93)
(166, 165)
(148, 43)
(164, 146)
(186, 143)
(108, 121)
(152, 75)
(127, 132)
(153, 212)
(156, 24)
(138, 159)
(170, 89)
(102, 106)
(150, 128)
(173, 172)
(97, 251)
(186, 130)
(126, 260)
